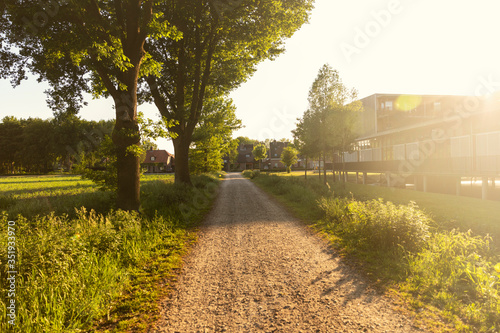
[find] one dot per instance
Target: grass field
(448, 211)
(84, 267)
(423, 251)
(41, 195)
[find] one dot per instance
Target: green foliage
(458, 272)
(39, 146)
(105, 172)
(289, 157)
(259, 152)
(251, 173)
(212, 137)
(377, 225)
(218, 51)
(330, 123)
(75, 271)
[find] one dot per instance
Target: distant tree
(306, 137)
(38, 151)
(332, 112)
(147, 144)
(243, 140)
(259, 153)
(212, 136)
(289, 157)
(11, 144)
(232, 152)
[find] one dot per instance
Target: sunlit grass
(450, 270)
(95, 271)
(448, 211)
(40, 195)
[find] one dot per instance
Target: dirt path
(257, 269)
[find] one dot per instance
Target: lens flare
(408, 102)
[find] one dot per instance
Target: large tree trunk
(181, 152)
(125, 136)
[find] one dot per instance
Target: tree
(11, 144)
(306, 137)
(220, 49)
(289, 157)
(212, 136)
(331, 117)
(244, 140)
(259, 153)
(89, 47)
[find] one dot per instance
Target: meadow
(83, 266)
(439, 253)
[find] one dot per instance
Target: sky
(377, 46)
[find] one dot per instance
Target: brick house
(273, 160)
(245, 157)
(158, 161)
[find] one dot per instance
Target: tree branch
(158, 98)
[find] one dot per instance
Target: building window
(388, 105)
(247, 155)
(437, 106)
(153, 158)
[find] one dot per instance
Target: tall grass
(74, 271)
(399, 244)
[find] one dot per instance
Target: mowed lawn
(448, 211)
(40, 195)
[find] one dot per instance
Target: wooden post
(484, 188)
(459, 186)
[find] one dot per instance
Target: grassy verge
(434, 266)
(100, 271)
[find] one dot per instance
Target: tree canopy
(259, 153)
(330, 123)
(289, 157)
(212, 137)
(184, 51)
(220, 48)
(92, 47)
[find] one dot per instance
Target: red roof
(158, 156)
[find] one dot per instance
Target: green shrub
(251, 173)
(456, 270)
(378, 225)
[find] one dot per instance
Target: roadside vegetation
(451, 268)
(95, 268)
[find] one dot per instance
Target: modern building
(431, 141)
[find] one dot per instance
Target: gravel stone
(256, 268)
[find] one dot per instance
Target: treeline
(35, 145)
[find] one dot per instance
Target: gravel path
(257, 269)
